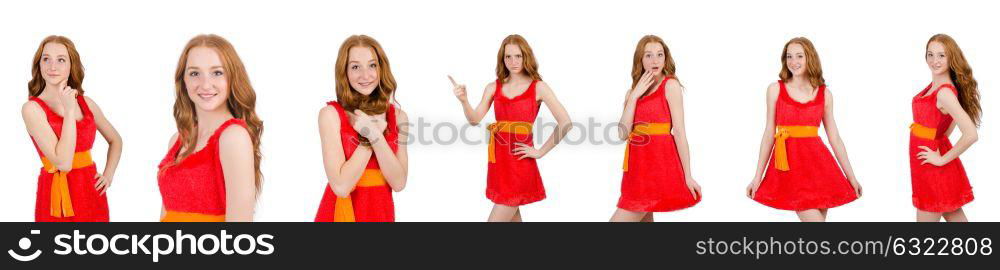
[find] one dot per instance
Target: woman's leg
(924, 216)
(811, 215)
(622, 215)
(956, 216)
(502, 213)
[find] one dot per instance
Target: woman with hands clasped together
(363, 135)
(512, 178)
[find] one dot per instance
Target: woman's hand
(640, 88)
(67, 96)
(369, 126)
(694, 188)
(459, 90)
(103, 182)
(752, 188)
(857, 187)
(526, 151)
(932, 157)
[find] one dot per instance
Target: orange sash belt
(641, 129)
(178, 216)
(344, 209)
(785, 132)
(923, 132)
(513, 127)
(60, 203)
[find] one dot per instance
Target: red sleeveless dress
(510, 181)
(195, 188)
(936, 189)
(655, 180)
(88, 205)
(815, 180)
(370, 203)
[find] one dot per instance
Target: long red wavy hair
(530, 64)
(378, 101)
(961, 74)
(75, 80)
(814, 70)
(241, 101)
(669, 68)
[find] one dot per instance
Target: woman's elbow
(341, 190)
(973, 137)
(64, 166)
(400, 185)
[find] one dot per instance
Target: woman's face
(362, 70)
(54, 64)
(795, 59)
(512, 58)
(937, 59)
(653, 57)
(206, 79)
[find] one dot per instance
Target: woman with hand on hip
(63, 123)
(512, 177)
(940, 185)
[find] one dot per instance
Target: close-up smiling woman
(211, 171)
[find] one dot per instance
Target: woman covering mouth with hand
(657, 171)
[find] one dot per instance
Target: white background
(726, 55)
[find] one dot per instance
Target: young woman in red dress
(940, 185)
(211, 172)
(512, 177)
(657, 167)
(363, 135)
(63, 124)
(801, 174)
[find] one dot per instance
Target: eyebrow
(213, 67)
(355, 61)
(58, 55)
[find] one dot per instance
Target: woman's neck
(940, 79)
(208, 121)
(51, 91)
(518, 78)
(800, 82)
